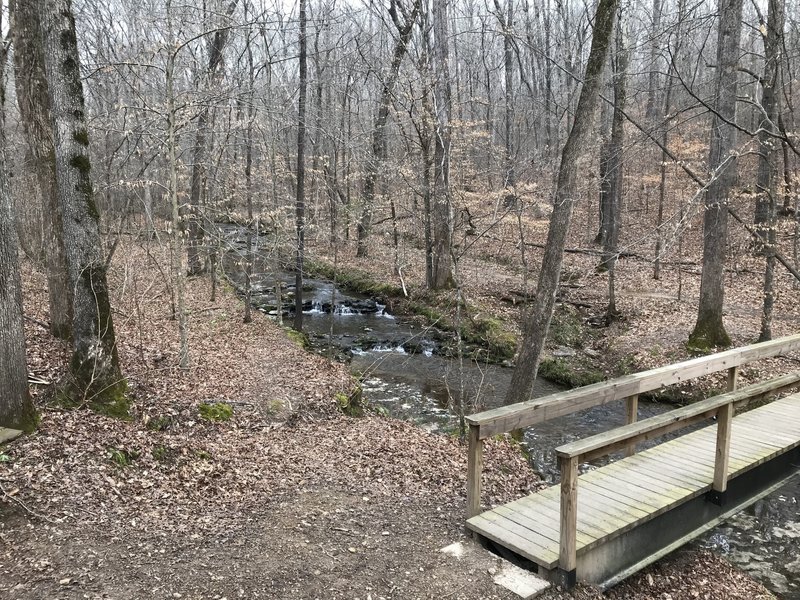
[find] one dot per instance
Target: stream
(403, 369)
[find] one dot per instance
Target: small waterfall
(343, 310)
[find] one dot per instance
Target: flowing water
(404, 370)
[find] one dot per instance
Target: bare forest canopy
(403, 123)
(514, 69)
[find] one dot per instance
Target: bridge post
(631, 416)
(474, 470)
(567, 557)
(733, 379)
(722, 455)
(723, 449)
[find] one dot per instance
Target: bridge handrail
(722, 406)
(517, 416)
(524, 414)
(605, 443)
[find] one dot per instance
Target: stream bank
(407, 372)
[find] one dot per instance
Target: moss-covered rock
(569, 374)
(216, 411)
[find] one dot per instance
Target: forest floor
(289, 498)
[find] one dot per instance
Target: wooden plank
(598, 519)
(618, 476)
(769, 418)
(474, 471)
(695, 447)
(750, 435)
(591, 524)
(7, 434)
(632, 490)
(668, 467)
(544, 528)
(648, 480)
(540, 533)
(601, 515)
(705, 448)
(779, 413)
(621, 437)
(524, 414)
(511, 535)
(535, 543)
(567, 557)
(764, 437)
(635, 502)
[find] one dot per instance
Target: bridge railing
(524, 414)
(722, 407)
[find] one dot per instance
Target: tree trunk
(651, 108)
(507, 24)
(665, 124)
(94, 367)
(177, 230)
(604, 170)
(442, 205)
(767, 128)
(248, 178)
(537, 321)
(34, 110)
(614, 213)
(709, 331)
(16, 408)
(300, 206)
(768, 160)
(379, 146)
(216, 44)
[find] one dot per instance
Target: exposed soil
(288, 499)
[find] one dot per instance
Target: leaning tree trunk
(34, 110)
(709, 330)
(16, 408)
(94, 367)
(768, 161)
(537, 322)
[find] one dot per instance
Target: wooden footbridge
(604, 525)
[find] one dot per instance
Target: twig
(402, 281)
(38, 322)
(25, 507)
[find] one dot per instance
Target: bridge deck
(625, 494)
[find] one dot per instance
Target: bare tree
(216, 44)
(34, 109)
(614, 205)
(300, 206)
(96, 376)
(16, 408)
(507, 23)
(768, 161)
(404, 27)
(537, 322)
(442, 208)
(709, 330)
